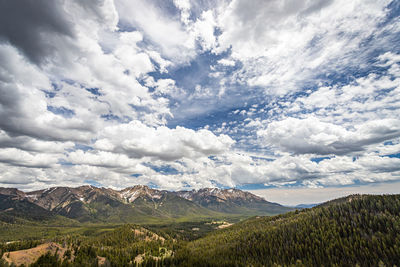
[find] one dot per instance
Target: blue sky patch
(318, 160)
(63, 111)
(164, 169)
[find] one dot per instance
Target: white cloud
(138, 140)
(165, 32)
(130, 56)
(33, 145)
(204, 28)
(25, 106)
(22, 158)
(184, 7)
(94, 14)
(102, 159)
(312, 136)
(284, 44)
(226, 62)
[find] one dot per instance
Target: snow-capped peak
(130, 194)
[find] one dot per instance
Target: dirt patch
(101, 261)
(139, 258)
(148, 235)
(224, 225)
(29, 256)
(164, 253)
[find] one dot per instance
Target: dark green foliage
(119, 247)
(122, 245)
(186, 231)
(85, 255)
(3, 263)
(47, 260)
(361, 230)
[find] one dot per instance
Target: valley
(140, 226)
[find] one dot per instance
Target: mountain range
(136, 204)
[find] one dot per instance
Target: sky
(261, 95)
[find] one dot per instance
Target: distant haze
(296, 196)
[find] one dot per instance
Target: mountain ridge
(140, 202)
(232, 200)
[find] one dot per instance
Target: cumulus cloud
(284, 44)
(24, 103)
(33, 145)
(30, 25)
(138, 140)
(22, 158)
(159, 28)
(312, 136)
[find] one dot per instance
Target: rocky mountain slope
(232, 201)
(138, 203)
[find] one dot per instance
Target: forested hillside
(125, 246)
(357, 230)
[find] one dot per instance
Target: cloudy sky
(181, 94)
